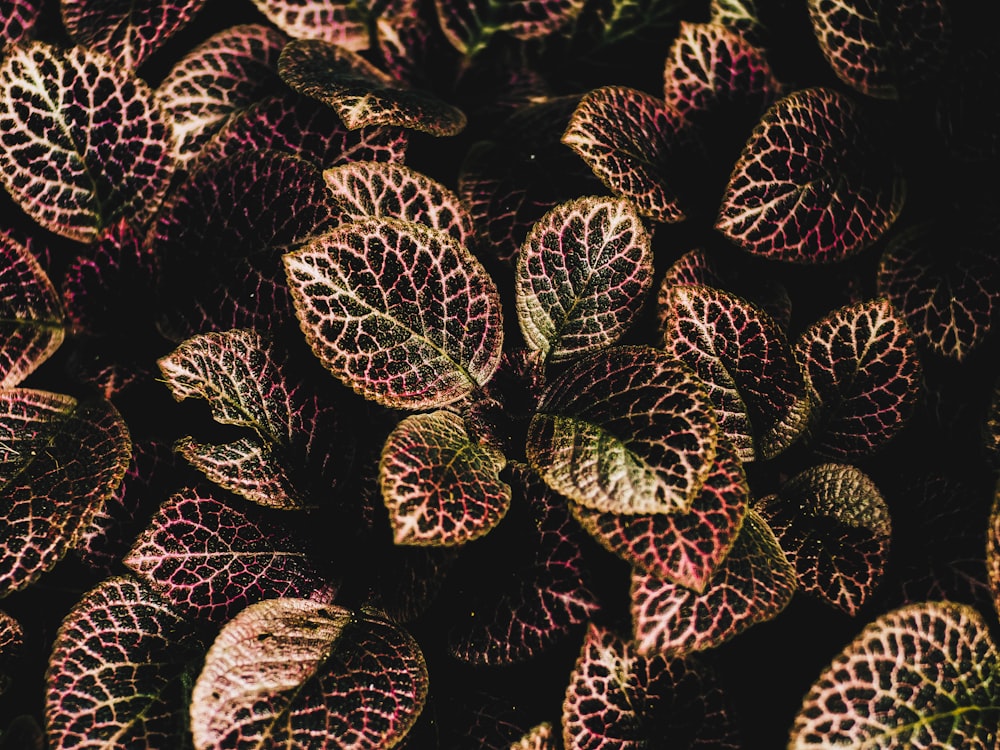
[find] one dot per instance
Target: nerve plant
(510, 362)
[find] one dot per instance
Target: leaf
(17, 22)
(303, 127)
(540, 737)
(299, 673)
(441, 487)
(127, 30)
(360, 93)
(864, 374)
(69, 155)
(401, 313)
(119, 670)
(11, 647)
(834, 528)
(920, 676)
(883, 50)
(741, 15)
(60, 460)
(232, 220)
(993, 549)
(341, 22)
(582, 277)
(618, 699)
(753, 585)
(745, 361)
(684, 548)
(223, 75)
(625, 137)
(211, 559)
(245, 379)
(31, 314)
(627, 430)
(991, 427)
(364, 190)
(470, 24)
(950, 300)
(812, 185)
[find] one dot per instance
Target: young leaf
(834, 527)
(745, 361)
(920, 676)
(210, 558)
(17, 22)
(684, 548)
(582, 276)
(340, 22)
(129, 31)
(224, 75)
(884, 50)
(360, 93)
(628, 430)
(812, 184)
(119, 670)
(440, 486)
(60, 460)
(69, 154)
(754, 585)
(11, 646)
(243, 377)
(618, 700)
(232, 220)
(864, 376)
(298, 673)
(625, 137)
(364, 190)
(469, 24)
(401, 313)
(31, 313)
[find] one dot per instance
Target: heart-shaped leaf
(625, 136)
(884, 50)
(618, 700)
(685, 548)
(119, 670)
(341, 22)
(225, 74)
(300, 673)
(60, 460)
(582, 276)
(295, 433)
(745, 361)
(211, 558)
(441, 487)
(18, 20)
(69, 155)
(920, 676)
(129, 31)
(950, 300)
(834, 528)
(864, 375)
(401, 313)
(364, 190)
(360, 93)
(11, 646)
(754, 585)
(232, 220)
(627, 430)
(302, 126)
(469, 24)
(31, 313)
(813, 185)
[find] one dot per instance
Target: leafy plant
(498, 375)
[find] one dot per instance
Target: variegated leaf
(341, 22)
(469, 24)
(17, 22)
(11, 647)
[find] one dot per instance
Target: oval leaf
(582, 276)
(441, 487)
(341, 22)
(69, 155)
(60, 460)
(629, 430)
(754, 585)
(812, 185)
(834, 527)
(401, 313)
(119, 670)
(298, 673)
(920, 676)
(864, 376)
